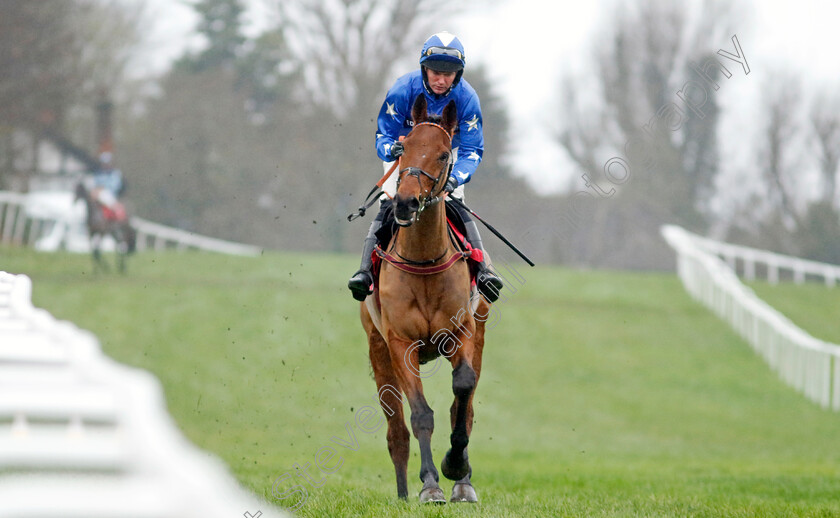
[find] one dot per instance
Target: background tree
(350, 48)
(628, 107)
(39, 71)
(220, 23)
(780, 158)
(206, 150)
(824, 119)
(818, 235)
(55, 58)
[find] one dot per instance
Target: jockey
(107, 186)
(439, 78)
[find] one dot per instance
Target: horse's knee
(423, 420)
(463, 380)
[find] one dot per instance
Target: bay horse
(125, 236)
(423, 308)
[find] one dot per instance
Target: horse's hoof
(432, 495)
(452, 471)
(463, 493)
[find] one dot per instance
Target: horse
(423, 308)
(125, 236)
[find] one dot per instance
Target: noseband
(428, 200)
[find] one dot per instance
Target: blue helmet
(443, 52)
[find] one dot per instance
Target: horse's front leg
(456, 465)
(388, 390)
(405, 361)
(122, 249)
(456, 462)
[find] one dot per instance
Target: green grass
(812, 306)
(602, 393)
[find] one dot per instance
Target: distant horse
(99, 226)
(422, 308)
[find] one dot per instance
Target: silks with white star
(395, 121)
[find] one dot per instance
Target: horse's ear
(450, 117)
(418, 111)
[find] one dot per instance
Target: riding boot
(489, 284)
(361, 281)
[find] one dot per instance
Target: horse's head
(427, 158)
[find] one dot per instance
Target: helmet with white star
(443, 52)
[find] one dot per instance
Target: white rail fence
(83, 436)
(51, 221)
(772, 263)
(809, 365)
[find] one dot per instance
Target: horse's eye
(444, 156)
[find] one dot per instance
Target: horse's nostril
(413, 204)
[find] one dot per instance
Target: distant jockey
(106, 187)
(442, 62)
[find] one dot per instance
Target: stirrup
(489, 284)
(359, 285)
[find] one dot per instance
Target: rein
(373, 195)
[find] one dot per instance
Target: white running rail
(19, 227)
(809, 365)
(773, 263)
(83, 436)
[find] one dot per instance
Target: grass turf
(602, 394)
(812, 306)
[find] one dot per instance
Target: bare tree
(641, 104)
(629, 106)
(55, 59)
(780, 159)
(824, 118)
(38, 69)
(350, 47)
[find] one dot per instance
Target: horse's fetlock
(459, 441)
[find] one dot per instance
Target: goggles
(445, 51)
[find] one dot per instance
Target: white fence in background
(772, 263)
(83, 436)
(159, 237)
(51, 221)
(809, 365)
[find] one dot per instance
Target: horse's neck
(427, 238)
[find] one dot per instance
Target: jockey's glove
(451, 184)
(397, 150)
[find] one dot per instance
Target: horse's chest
(422, 316)
(431, 332)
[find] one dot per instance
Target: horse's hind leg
(388, 390)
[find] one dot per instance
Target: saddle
(114, 213)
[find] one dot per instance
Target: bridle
(427, 200)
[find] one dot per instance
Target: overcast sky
(528, 44)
